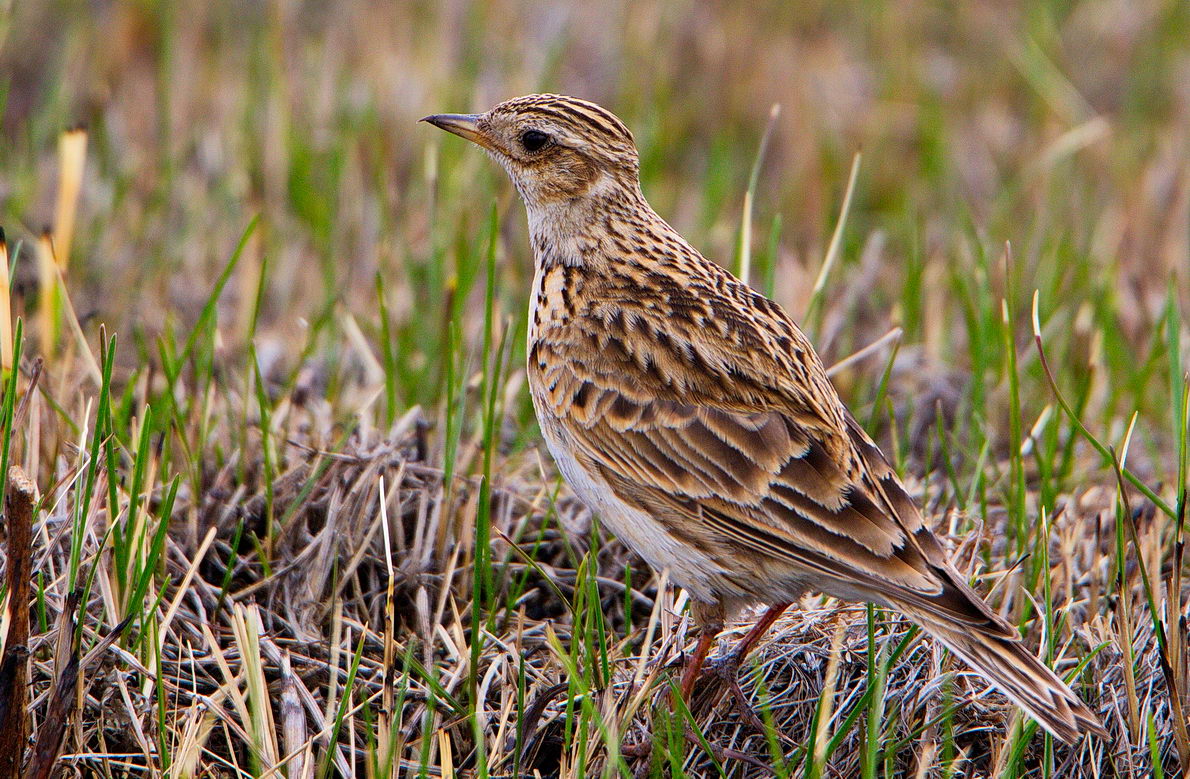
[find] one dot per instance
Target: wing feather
(758, 480)
(736, 442)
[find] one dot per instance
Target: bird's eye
(534, 140)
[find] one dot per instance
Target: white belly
(638, 530)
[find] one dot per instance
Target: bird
(693, 416)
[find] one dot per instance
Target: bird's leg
(736, 658)
(691, 671)
(728, 669)
(693, 668)
(709, 618)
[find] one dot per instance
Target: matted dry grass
(304, 526)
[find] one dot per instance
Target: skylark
(691, 414)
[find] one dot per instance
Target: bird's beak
(462, 125)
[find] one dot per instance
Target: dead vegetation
(293, 518)
(349, 605)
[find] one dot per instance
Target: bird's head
(555, 148)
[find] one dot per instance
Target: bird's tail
(994, 651)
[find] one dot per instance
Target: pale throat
(571, 231)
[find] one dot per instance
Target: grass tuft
(292, 515)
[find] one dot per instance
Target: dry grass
(294, 518)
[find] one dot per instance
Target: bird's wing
(732, 452)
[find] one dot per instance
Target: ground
(291, 514)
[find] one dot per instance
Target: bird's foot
(726, 670)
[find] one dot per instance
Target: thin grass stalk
(1181, 736)
(832, 251)
(101, 443)
(384, 754)
(398, 743)
(159, 691)
(481, 573)
(343, 709)
(743, 253)
(772, 254)
(1082, 429)
(780, 765)
(388, 354)
(9, 402)
(1124, 621)
(876, 678)
(427, 743)
(865, 700)
(820, 750)
(1154, 747)
(1042, 546)
(1178, 641)
(130, 544)
(247, 627)
(268, 454)
(1017, 489)
(678, 736)
(453, 412)
(6, 335)
(1180, 393)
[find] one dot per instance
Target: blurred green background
(1006, 149)
(1061, 127)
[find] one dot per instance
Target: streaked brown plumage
(694, 416)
